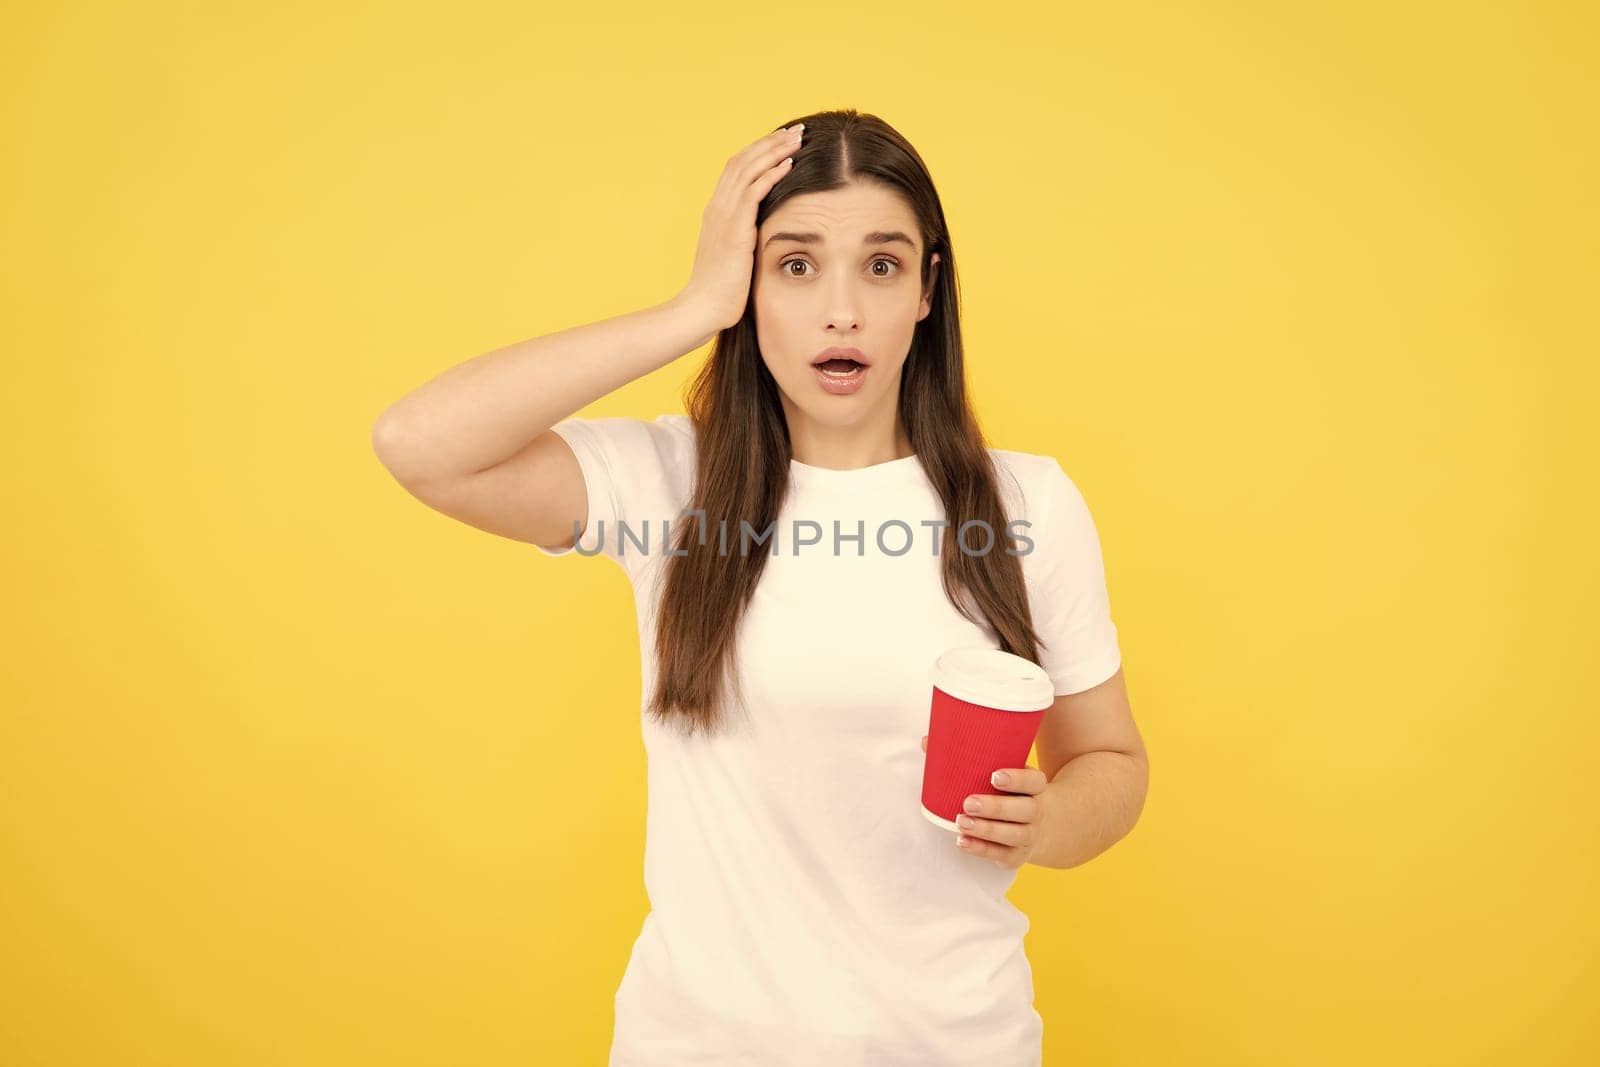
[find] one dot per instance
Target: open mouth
(839, 368)
(841, 377)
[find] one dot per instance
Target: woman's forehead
(839, 217)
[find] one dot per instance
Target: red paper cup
(987, 706)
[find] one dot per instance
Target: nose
(841, 319)
(842, 300)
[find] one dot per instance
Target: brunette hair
(743, 448)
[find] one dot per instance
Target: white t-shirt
(803, 909)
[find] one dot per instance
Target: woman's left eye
(886, 260)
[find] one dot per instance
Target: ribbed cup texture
(966, 744)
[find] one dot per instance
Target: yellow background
(295, 770)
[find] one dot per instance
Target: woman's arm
(475, 442)
(478, 413)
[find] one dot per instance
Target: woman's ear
(927, 294)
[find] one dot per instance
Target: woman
(792, 545)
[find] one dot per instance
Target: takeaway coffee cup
(987, 706)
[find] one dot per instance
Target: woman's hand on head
(719, 283)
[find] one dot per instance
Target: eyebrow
(876, 237)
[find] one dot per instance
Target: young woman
(802, 545)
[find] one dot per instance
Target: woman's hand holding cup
(1005, 829)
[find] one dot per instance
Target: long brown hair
(744, 451)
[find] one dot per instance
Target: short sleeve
(636, 474)
(1067, 590)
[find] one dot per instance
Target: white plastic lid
(993, 678)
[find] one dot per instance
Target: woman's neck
(849, 449)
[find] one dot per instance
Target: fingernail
(999, 778)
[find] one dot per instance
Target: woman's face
(839, 268)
